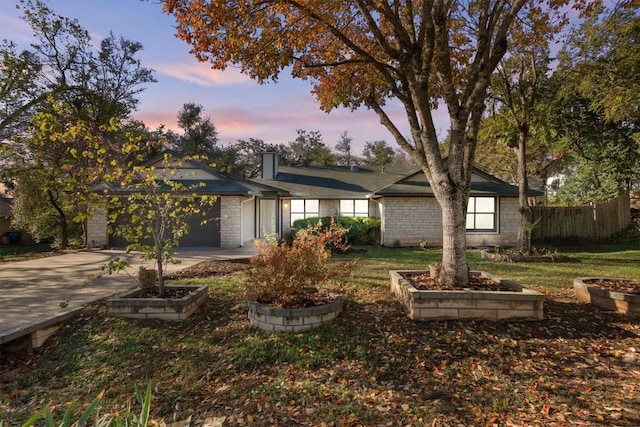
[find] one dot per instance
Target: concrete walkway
(40, 293)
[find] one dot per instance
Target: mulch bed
(424, 282)
(168, 293)
(210, 268)
(616, 285)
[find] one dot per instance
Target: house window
(481, 214)
(304, 208)
(354, 208)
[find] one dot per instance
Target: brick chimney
(269, 168)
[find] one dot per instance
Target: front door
(267, 218)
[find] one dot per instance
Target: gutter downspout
(382, 218)
(253, 198)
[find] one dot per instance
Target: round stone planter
(130, 305)
(273, 319)
(587, 290)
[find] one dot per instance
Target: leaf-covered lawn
(372, 366)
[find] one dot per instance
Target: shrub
(360, 231)
(292, 275)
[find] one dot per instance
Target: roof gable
(210, 180)
(416, 184)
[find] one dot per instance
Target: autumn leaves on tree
(365, 53)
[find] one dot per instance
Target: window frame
(305, 212)
(474, 213)
(354, 213)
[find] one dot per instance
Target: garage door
(207, 235)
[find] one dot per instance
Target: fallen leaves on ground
(371, 367)
(626, 286)
(209, 268)
(423, 281)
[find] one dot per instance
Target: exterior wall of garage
(230, 221)
(98, 237)
(97, 230)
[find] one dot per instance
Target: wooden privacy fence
(581, 224)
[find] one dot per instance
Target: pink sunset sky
(238, 106)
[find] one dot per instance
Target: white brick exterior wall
(97, 236)
(230, 222)
(408, 220)
(329, 207)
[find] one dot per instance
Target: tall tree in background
(200, 137)
(21, 88)
(247, 156)
(363, 53)
(605, 53)
(598, 115)
(66, 157)
(308, 149)
(60, 105)
(378, 153)
(62, 66)
(344, 150)
(521, 94)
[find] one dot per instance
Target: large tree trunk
(455, 269)
(523, 188)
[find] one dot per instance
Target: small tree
(156, 200)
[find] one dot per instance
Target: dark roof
(219, 184)
(374, 181)
(481, 183)
(330, 182)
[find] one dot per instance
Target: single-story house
(399, 195)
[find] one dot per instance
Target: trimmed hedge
(362, 231)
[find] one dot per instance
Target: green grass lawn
(10, 253)
(372, 366)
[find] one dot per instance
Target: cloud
(202, 74)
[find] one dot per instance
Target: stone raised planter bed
(275, 319)
(491, 254)
(132, 305)
(587, 290)
(517, 303)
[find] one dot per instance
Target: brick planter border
(127, 305)
(294, 320)
(520, 303)
(617, 301)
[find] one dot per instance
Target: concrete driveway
(39, 293)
